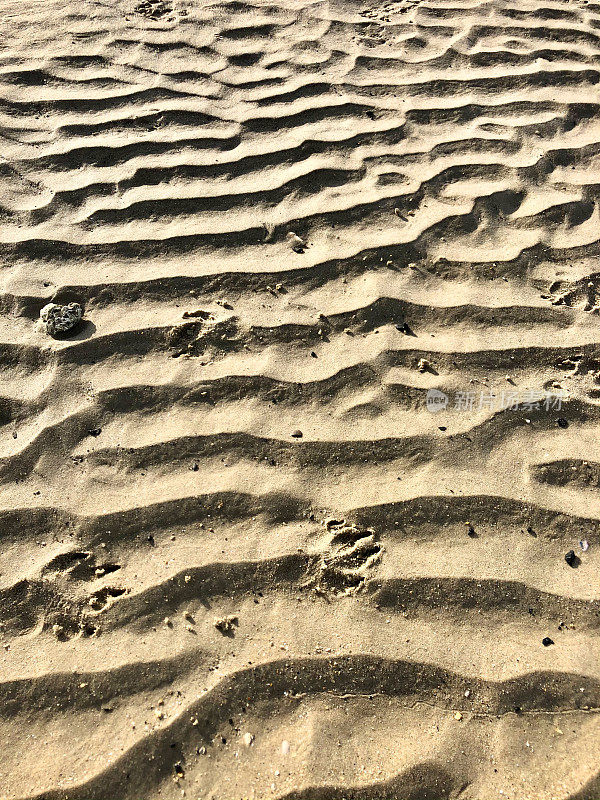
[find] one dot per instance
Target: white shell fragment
(59, 320)
(297, 244)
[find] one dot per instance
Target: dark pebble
(572, 559)
(547, 641)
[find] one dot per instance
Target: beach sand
(284, 516)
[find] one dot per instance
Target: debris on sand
(297, 434)
(572, 559)
(424, 365)
(269, 229)
(226, 624)
(584, 544)
(198, 313)
(58, 631)
(297, 244)
(547, 641)
(248, 738)
(60, 320)
(178, 770)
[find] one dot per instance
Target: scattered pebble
(248, 738)
(458, 715)
(424, 365)
(584, 544)
(562, 422)
(572, 559)
(60, 320)
(547, 641)
(285, 747)
(297, 434)
(178, 769)
(58, 631)
(226, 624)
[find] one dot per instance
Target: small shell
(297, 244)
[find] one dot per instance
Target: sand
(248, 550)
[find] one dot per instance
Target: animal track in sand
(584, 294)
(153, 9)
(349, 560)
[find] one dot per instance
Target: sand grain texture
(238, 555)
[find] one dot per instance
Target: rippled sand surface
(240, 555)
